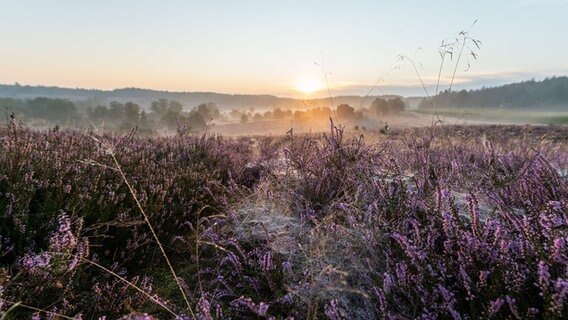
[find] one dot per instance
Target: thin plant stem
(147, 220)
(457, 63)
(158, 302)
(327, 83)
(440, 73)
(21, 305)
(465, 39)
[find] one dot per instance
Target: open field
(450, 221)
(407, 119)
(503, 116)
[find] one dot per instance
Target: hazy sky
(271, 46)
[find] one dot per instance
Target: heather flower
(559, 297)
(266, 262)
(234, 260)
(449, 301)
(204, 309)
(466, 282)
(483, 275)
(555, 206)
(494, 307)
(287, 266)
(36, 263)
(543, 277)
(134, 316)
(63, 239)
(532, 312)
(474, 213)
(388, 283)
(332, 310)
(262, 309)
(512, 306)
(411, 250)
(259, 309)
(1, 295)
(401, 272)
(558, 250)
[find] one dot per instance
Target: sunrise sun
(308, 85)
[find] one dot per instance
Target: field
(450, 221)
(503, 115)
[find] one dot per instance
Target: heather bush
(50, 175)
(436, 230)
(445, 222)
(325, 169)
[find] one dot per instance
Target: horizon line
(16, 84)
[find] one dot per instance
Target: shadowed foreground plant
(333, 227)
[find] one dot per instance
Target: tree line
(379, 108)
(551, 93)
(163, 113)
(170, 114)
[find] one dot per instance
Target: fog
(169, 116)
(532, 102)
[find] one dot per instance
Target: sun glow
(309, 85)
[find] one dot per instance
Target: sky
(285, 48)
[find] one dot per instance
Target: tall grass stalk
(147, 220)
(149, 296)
(21, 305)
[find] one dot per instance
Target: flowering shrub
(456, 222)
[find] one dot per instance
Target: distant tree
(380, 107)
(321, 113)
(278, 114)
(235, 114)
(170, 119)
(244, 118)
(144, 123)
(209, 111)
(13, 105)
(345, 112)
(559, 93)
(54, 110)
(204, 111)
(132, 112)
(425, 103)
(300, 115)
(175, 107)
(98, 114)
(462, 99)
(396, 105)
(116, 112)
(195, 121)
(551, 93)
(159, 107)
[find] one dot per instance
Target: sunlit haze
(282, 48)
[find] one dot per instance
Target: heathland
(444, 221)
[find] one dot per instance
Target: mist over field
(283, 160)
(155, 112)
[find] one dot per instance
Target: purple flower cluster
(413, 224)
